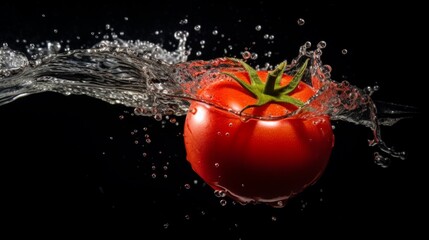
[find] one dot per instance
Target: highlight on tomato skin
(255, 160)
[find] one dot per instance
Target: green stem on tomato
(270, 91)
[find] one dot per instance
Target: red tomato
(255, 160)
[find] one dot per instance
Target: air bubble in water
(344, 51)
(183, 21)
(301, 21)
(223, 202)
(198, 53)
(197, 27)
(215, 32)
(258, 28)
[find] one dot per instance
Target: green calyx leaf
(270, 91)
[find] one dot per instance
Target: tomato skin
(252, 159)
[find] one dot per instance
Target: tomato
(255, 159)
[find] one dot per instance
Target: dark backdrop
(70, 162)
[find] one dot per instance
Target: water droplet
(144, 154)
(219, 193)
(215, 32)
(258, 28)
(227, 134)
(254, 56)
(165, 225)
(121, 117)
(271, 37)
(55, 30)
(153, 175)
(183, 21)
(223, 202)
(136, 142)
(246, 55)
(273, 218)
(107, 26)
(197, 27)
(126, 18)
(216, 165)
(187, 217)
(43, 15)
(344, 51)
(301, 21)
(202, 42)
(144, 128)
(266, 36)
(165, 168)
(165, 176)
(148, 140)
(198, 53)
(321, 44)
(158, 117)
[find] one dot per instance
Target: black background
(61, 171)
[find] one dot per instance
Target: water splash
(157, 82)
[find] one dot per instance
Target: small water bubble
(273, 218)
(187, 186)
(55, 30)
(246, 55)
(198, 53)
(156, 32)
(223, 202)
(301, 21)
(216, 165)
(271, 37)
(126, 18)
(153, 175)
(165, 176)
(193, 110)
(121, 117)
(121, 33)
(43, 15)
(183, 21)
(187, 217)
(321, 44)
(219, 193)
(215, 32)
(148, 140)
(158, 117)
(144, 154)
(180, 35)
(136, 142)
(166, 225)
(376, 88)
(258, 28)
(266, 36)
(227, 134)
(107, 26)
(344, 51)
(173, 120)
(197, 27)
(154, 168)
(145, 129)
(202, 42)
(230, 124)
(254, 56)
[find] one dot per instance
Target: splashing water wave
(155, 81)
